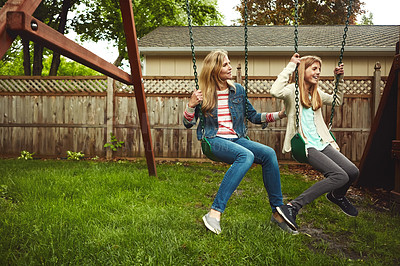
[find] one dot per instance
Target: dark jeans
(339, 174)
(242, 153)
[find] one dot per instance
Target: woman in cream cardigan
(321, 149)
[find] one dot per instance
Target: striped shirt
(225, 125)
(189, 113)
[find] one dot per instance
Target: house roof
(272, 39)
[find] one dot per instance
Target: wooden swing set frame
(380, 163)
(16, 19)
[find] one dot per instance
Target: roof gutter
(271, 50)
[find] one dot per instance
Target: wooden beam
(377, 168)
(136, 72)
(27, 6)
(395, 193)
(27, 26)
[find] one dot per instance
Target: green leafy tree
(54, 14)
(68, 68)
(311, 12)
(367, 20)
(12, 63)
(101, 19)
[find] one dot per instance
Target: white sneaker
(212, 223)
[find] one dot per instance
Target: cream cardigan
(280, 89)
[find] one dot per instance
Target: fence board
(51, 116)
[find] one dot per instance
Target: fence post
(239, 74)
(376, 89)
(110, 114)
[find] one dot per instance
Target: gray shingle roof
(368, 37)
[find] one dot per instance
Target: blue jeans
(242, 153)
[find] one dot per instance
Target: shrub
(114, 144)
(76, 156)
(26, 155)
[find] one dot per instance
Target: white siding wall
(264, 65)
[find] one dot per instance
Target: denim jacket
(236, 102)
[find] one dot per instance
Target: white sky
(385, 12)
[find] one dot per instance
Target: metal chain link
(196, 81)
(296, 84)
(246, 70)
(335, 90)
(296, 24)
(192, 43)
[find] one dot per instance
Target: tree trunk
(55, 63)
(27, 57)
(118, 61)
(37, 59)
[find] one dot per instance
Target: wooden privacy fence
(51, 115)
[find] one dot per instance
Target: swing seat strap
(333, 136)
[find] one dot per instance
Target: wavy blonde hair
(210, 80)
(315, 102)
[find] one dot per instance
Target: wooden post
(377, 167)
(110, 114)
(239, 78)
(395, 193)
(376, 89)
(136, 73)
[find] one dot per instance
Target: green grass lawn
(90, 212)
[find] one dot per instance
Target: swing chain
(246, 77)
(192, 44)
(296, 24)
(196, 81)
(335, 90)
(346, 28)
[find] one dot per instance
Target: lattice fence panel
(161, 85)
(53, 85)
(255, 86)
(383, 84)
(259, 86)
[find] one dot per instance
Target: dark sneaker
(284, 226)
(288, 213)
(212, 223)
(344, 204)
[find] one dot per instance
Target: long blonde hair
(209, 79)
(315, 102)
